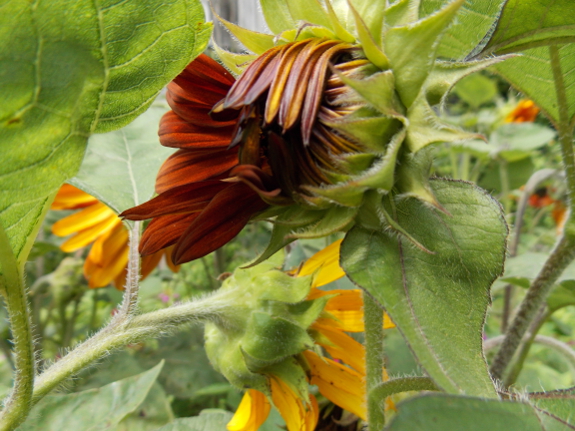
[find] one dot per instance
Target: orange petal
(251, 413)
(339, 384)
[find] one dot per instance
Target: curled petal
(291, 407)
(175, 132)
(342, 346)
(326, 263)
(107, 258)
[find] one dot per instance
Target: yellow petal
(251, 413)
(342, 347)
(339, 384)
(86, 236)
(296, 416)
(69, 197)
(81, 220)
(312, 415)
(107, 258)
(327, 262)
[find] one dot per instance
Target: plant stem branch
(404, 384)
(18, 403)
(373, 318)
(130, 302)
(564, 252)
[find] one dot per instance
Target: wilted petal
(177, 133)
(224, 217)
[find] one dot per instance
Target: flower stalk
(373, 318)
(18, 403)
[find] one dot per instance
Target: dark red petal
(187, 166)
(209, 72)
(194, 112)
(186, 199)
(164, 231)
(177, 133)
(221, 221)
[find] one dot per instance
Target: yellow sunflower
(97, 224)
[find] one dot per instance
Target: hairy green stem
(130, 301)
(120, 333)
(564, 252)
(373, 318)
(403, 384)
(18, 403)
(560, 258)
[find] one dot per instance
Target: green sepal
(256, 42)
(306, 312)
(356, 163)
(413, 177)
(399, 14)
(335, 220)
(290, 371)
(277, 15)
(271, 339)
(384, 99)
(338, 28)
(411, 50)
(310, 11)
(381, 175)
(373, 133)
(226, 357)
(347, 193)
(296, 216)
(446, 74)
(372, 50)
(372, 13)
(311, 31)
(278, 240)
(287, 289)
(426, 128)
(236, 63)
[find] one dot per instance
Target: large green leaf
(532, 23)
(71, 68)
(473, 22)
(555, 405)
(532, 73)
(94, 409)
(438, 301)
(208, 420)
(120, 167)
(448, 412)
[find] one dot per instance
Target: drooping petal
(186, 167)
(339, 384)
(251, 413)
(223, 218)
(164, 231)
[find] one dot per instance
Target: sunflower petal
(81, 220)
(86, 236)
(164, 231)
(108, 258)
(70, 198)
(177, 133)
(342, 347)
(290, 407)
(325, 265)
(339, 384)
(251, 413)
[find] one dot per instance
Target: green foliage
(120, 167)
(94, 409)
(73, 68)
(208, 420)
(429, 296)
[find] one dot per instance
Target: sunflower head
(328, 115)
